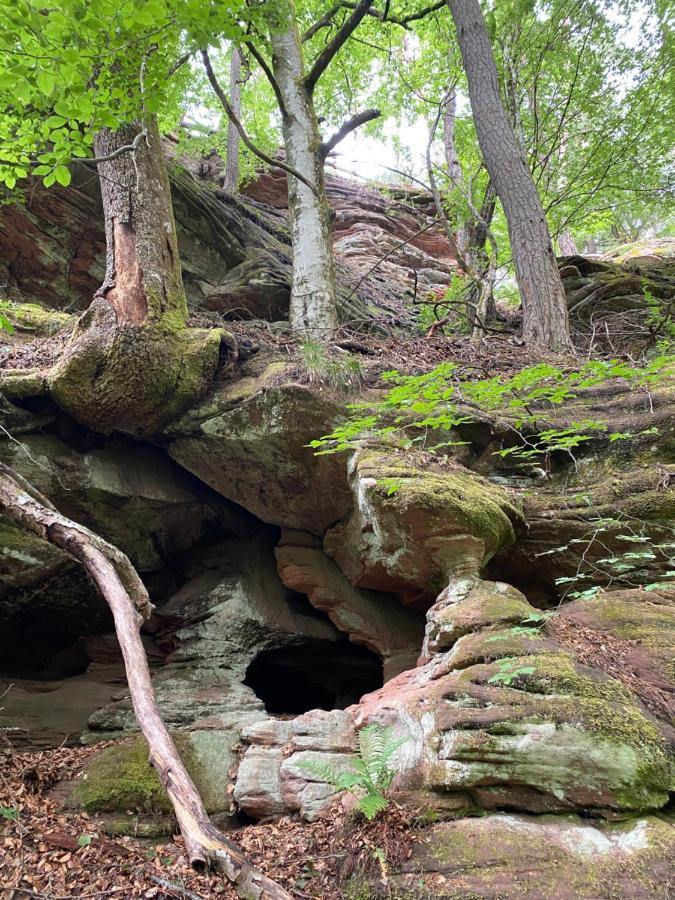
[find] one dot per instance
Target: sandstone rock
(248, 441)
(375, 620)
(505, 855)
(413, 529)
(535, 731)
(270, 777)
(133, 495)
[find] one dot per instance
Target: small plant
(508, 671)
(341, 373)
(370, 775)
(429, 408)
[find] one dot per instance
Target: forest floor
(51, 853)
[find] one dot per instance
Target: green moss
(121, 777)
(484, 509)
(36, 319)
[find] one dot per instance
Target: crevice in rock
(313, 674)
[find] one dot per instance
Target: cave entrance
(315, 674)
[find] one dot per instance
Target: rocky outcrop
(506, 717)
(415, 525)
(374, 620)
(249, 441)
(235, 251)
(530, 857)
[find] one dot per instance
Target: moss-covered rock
(414, 528)
(35, 320)
(121, 780)
(508, 856)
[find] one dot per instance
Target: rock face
(300, 597)
(248, 441)
(235, 251)
(526, 856)
(566, 736)
(412, 529)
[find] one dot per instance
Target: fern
(370, 774)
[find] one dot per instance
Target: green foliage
(342, 373)
(509, 671)
(370, 774)
(84, 840)
(427, 409)
(625, 569)
(8, 812)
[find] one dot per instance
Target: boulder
(413, 528)
(248, 441)
(505, 855)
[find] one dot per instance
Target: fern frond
(371, 805)
(322, 771)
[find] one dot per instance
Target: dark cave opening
(314, 674)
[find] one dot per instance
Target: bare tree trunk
(127, 598)
(449, 119)
(232, 158)
(313, 308)
(567, 244)
(545, 319)
(472, 234)
(132, 364)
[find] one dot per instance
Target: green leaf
(371, 805)
(5, 324)
(46, 82)
(8, 812)
(84, 840)
(62, 175)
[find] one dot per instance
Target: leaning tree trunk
(131, 363)
(130, 605)
(313, 308)
(232, 157)
(545, 319)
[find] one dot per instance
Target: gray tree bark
(545, 319)
(567, 244)
(313, 307)
(232, 157)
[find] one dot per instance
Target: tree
(131, 363)
(232, 157)
(545, 318)
(313, 305)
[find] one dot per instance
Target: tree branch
(323, 22)
(402, 21)
(220, 93)
(262, 62)
(350, 125)
(324, 58)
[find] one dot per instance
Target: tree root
(130, 605)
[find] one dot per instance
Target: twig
(172, 886)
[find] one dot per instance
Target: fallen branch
(130, 605)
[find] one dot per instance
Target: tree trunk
(545, 319)
(449, 119)
(131, 363)
(313, 308)
(127, 598)
(567, 244)
(232, 158)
